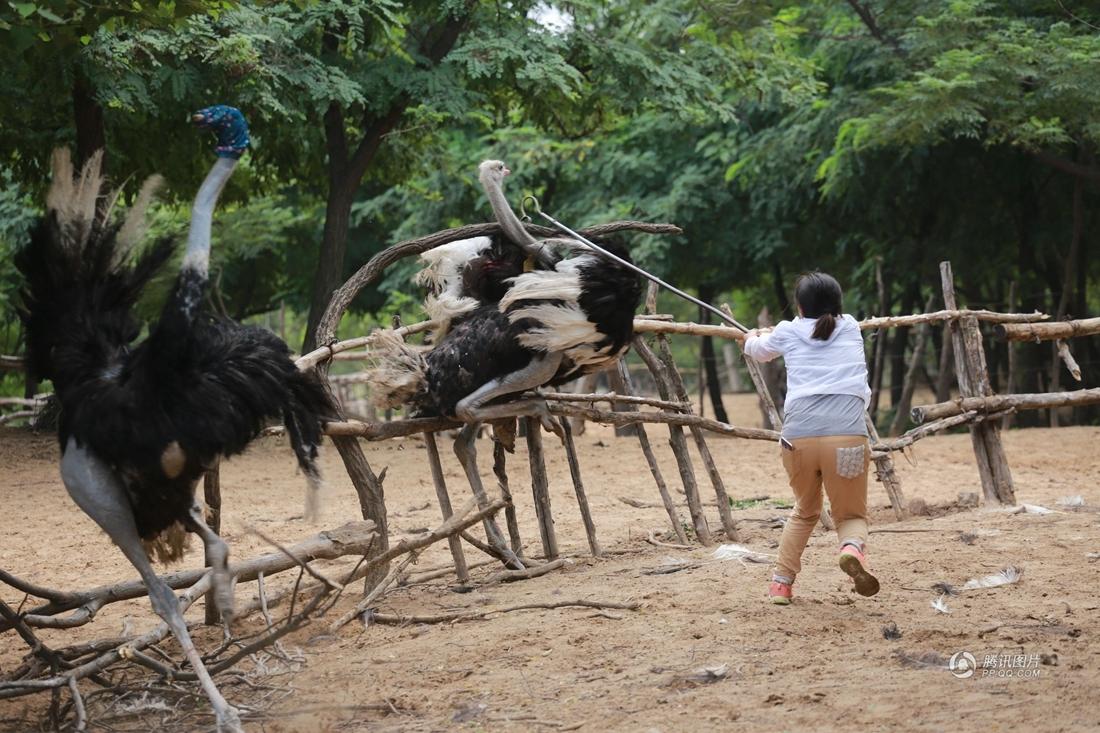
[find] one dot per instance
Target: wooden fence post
(973, 377)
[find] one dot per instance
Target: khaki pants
(840, 462)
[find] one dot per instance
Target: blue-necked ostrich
(514, 316)
(140, 424)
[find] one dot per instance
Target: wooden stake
(651, 461)
(884, 471)
(578, 487)
(500, 470)
(1010, 386)
(880, 341)
(901, 410)
(461, 571)
(678, 443)
(970, 368)
(540, 488)
(680, 391)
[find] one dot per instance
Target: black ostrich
(140, 424)
(516, 316)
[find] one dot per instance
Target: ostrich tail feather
(397, 370)
(168, 546)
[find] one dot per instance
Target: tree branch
(869, 20)
(1067, 166)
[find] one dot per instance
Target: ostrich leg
(218, 553)
(466, 450)
(98, 492)
(541, 370)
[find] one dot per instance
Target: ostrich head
(492, 171)
(230, 127)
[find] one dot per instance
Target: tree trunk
(330, 262)
(710, 361)
(88, 117)
(781, 291)
(1067, 285)
(346, 168)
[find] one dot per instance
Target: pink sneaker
(853, 562)
(780, 593)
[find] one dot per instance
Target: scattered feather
(1076, 500)
(702, 676)
(741, 553)
(941, 605)
(968, 538)
(924, 660)
(1009, 575)
(945, 589)
(1031, 509)
(1093, 556)
(890, 631)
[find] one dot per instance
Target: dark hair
(819, 296)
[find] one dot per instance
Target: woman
(824, 438)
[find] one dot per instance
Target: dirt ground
(821, 664)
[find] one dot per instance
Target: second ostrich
(507, 330)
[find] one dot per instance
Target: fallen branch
(508, 576)
(17, 688)
(376, 265)
(400, 428)
(1048, 331)
(17, 415)
(315, 357)
(1067, 357)
(394, 619)
(352, 539)
(651, 538)
(643, 325)
(996, 403)
(458, 522)
(11, 364)
(614, 398)
(375, 593)
(951, 315)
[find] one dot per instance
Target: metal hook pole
(631, 266)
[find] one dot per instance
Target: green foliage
(782, 136)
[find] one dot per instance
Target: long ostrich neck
(509, 222)
(197, 257)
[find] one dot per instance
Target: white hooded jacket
(836, 366)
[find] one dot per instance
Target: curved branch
(373, 269)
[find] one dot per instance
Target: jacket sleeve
(766, 347)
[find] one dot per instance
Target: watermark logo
(962, 665)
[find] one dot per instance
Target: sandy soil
(821, 664)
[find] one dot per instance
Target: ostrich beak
(505, 171)
(197, 118)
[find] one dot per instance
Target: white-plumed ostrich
(520, 319)
(141, 423)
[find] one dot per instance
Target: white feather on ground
(1009, 575)
(940, 604)
(1076, 500)
(741, 553)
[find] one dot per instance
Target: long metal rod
(631, 266)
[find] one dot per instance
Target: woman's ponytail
(824, 327)
(819, 296)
